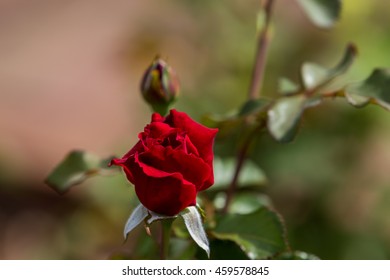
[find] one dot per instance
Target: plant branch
(254, 91)
(233, 185)
(241, 156)
(261, 52)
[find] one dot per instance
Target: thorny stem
(254, 91)
(261, 52)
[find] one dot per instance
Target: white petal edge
(193, 222)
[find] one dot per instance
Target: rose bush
(171, 163)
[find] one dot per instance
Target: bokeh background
(69, 78)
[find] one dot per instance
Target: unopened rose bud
(160, 86)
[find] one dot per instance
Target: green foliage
(230, 123)
(375, 89)
(249, 202)
(296, 255)
(226, 250)
(323, 13)
(315, 76)
(253, 106)
(284, 115)
(250, 176)
(259, 234)
(287, 87)
(75, 168)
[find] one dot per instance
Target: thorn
(147, 229)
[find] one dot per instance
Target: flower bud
(160, 86)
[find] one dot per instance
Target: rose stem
(242, 153)
(261, 52)
(254, 90)
(166, 226)
(233, 185)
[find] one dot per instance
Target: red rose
(171, 163)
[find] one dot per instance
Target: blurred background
(69, 78)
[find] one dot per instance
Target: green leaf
(248, 202)
(226, 250)
(296, 255)
(75, 168)
(250, 175)
(375, 89)
(314, 76)
(244, 202)
(323, 13)
(226, 124)
(253, 106)
(260, 234)
(287, 87)
(284, 117)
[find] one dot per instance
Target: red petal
(202, 137)
(167, 196)
(161, 161)
(139, 147)
(162, 192)
(157, 118)
(157, 130)
(124, 163)
(152, 171)
(189, 147)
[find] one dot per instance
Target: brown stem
(233, 185)
(243, 152)
(261, 52)
(254, 90)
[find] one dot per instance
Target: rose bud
(171, 163)
(160, 86)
